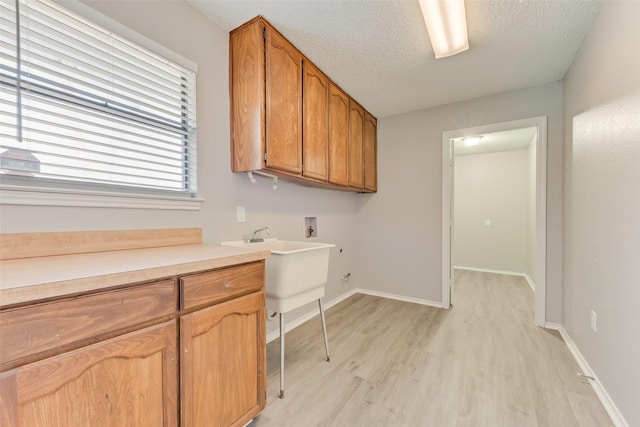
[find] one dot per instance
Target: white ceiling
(516, 139)
(379, 51)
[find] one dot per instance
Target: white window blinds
(85, 108)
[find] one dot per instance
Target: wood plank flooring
(482, 363)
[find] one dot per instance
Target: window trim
(41, 196)
(62, 195)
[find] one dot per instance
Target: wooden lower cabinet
(57, 326)
(130, 380)
(117, 357)
(223, 366)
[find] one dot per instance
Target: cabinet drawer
(33, 332)
(220, 285)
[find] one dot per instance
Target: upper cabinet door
(370, 152)
(356, 128)
(338, 135)
(315, 143)
(246, 75)
(283, 104)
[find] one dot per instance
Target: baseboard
(530, 282)
(611, 408)
(399, 297)
(532, 285)
(313, 313)
(486, 270)
(554, 326)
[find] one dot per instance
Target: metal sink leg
(281, 355)
(324, 329)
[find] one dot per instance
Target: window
(82, 108)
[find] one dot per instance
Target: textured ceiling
(379, 52)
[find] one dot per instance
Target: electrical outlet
(594, 321)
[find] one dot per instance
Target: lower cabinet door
(223, 363)
(130, 380)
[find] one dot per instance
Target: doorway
(448, 225)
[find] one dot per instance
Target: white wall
(602, 202)
(178, 26)
(494, 187)
(399, 229)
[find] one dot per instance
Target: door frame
(540, 123)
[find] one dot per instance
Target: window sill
(31, 196)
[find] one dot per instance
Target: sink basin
(296, 272)
(296, 275)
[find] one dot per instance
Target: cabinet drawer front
(220, 285)
(33, 332)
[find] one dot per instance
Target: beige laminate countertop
(30, 279)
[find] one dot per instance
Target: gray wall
(399, 239)
(391, 240)
(602, 202)
(283, 210)
(493, 186)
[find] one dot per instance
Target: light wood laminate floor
(482, 363)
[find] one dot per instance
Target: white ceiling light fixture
(447, 25)
(472, 140)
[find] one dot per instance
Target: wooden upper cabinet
(283, 104)
(247, 96)
(266, 99)
(356, 129)
(369, 145)
(289, 119)
(338, 135)
(315, 144)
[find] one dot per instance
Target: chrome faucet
(255, 238)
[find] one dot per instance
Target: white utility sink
(296, 271)
(296, 275)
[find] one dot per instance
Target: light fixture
(447, 25)
(472, 140)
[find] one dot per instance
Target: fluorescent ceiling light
(447, 25)
(471, 141)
